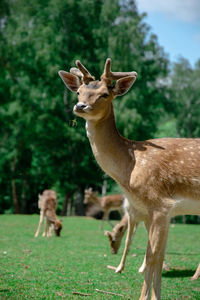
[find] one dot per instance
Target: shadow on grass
(178, 273)
(182, 253)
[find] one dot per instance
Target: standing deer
(115, 237)
(106, 204)
(160, 177)
(47, 204)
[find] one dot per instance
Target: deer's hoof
(119, 269)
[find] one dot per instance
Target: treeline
(43, 145)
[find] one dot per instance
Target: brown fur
(116, 235)
(47, 204)
(107, 203)
(160, 178)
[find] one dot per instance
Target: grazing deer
(106, 204)
(116, 235)
(47, 204)
(160, 177)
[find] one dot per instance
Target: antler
(109, 76)
(82, 72)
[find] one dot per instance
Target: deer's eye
(77, 93)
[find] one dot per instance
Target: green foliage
(36, 268)
(185, 85)
(42, 145)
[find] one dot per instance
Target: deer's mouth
(81, 108)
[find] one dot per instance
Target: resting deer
(107, 203)
(160, 177)
(47, 204)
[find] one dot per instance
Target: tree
(42, 144)
(185, 85)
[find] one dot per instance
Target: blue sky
(177, 25)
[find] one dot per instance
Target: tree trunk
(13, 186)
(15, 199)
(65, 205)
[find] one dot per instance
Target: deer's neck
(112, 152)
(96, 200)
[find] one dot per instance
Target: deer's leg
(196, 274)
(105, 218)
(45, 228)
(50, 229)
(143, 266)
(156, 290)
(40, 223)
(158, 231)
(132, 226)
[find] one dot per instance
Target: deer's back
(112, 201)
(166, 168)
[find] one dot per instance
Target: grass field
(55, 268)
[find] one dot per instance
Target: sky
(177, 26)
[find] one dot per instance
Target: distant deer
(106, 203)
(116, 235)
(47, 204)
(160, 177)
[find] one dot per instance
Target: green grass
(53, 268)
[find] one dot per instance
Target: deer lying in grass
(106, 204)
(160, 177)
(47, 204)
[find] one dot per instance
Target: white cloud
(185, 10)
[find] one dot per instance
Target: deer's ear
(121, 228)
(71, 81)
(109, 235)
(123, 85)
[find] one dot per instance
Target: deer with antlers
(160, 177)
(47, 203)
(106, 203)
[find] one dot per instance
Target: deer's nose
(80, 105)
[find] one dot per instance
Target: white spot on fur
(143, 162)
(195, 180)
(180, 179)
(172, 179)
